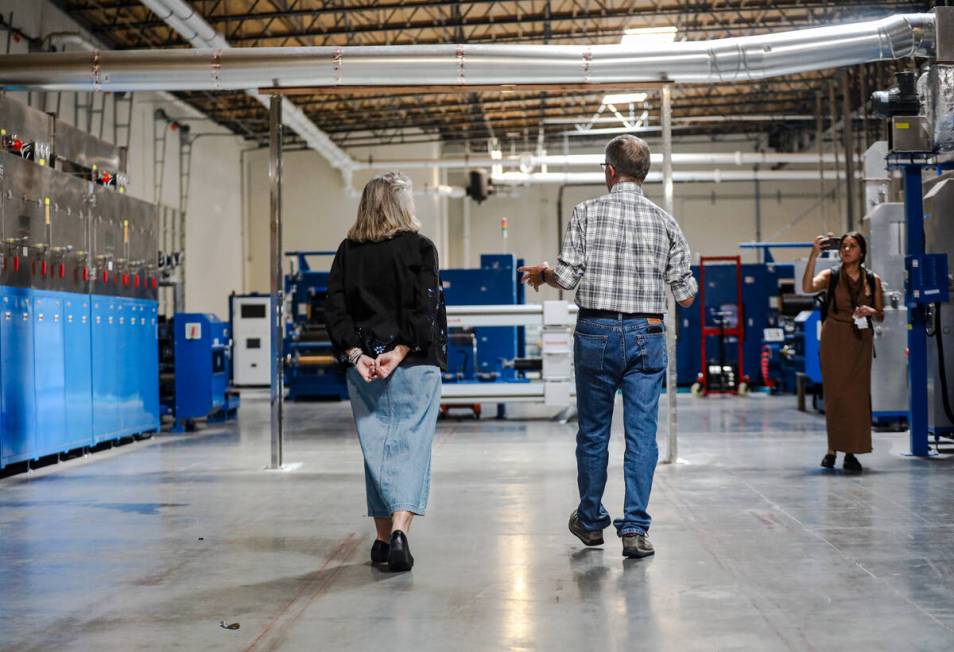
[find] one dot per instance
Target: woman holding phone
(853, 298)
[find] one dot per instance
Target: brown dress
(846, 353)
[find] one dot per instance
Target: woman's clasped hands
(381, 367)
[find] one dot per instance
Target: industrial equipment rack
(706, 331)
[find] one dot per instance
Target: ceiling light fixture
(649, 35)
(625, 98)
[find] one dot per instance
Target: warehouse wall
(714, 217)
(317, 209)
(213, 225)
(227, 225)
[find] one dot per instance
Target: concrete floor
(151, 546)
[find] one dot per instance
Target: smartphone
(833, 242)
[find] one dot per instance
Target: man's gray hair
(629, 155)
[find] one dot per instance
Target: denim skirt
(395, 419)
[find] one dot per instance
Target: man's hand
(367, 368)
(534, 275)
(388, 362)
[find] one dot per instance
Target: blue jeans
(614, 354)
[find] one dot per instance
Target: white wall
(714, 217)
(317, 210)
(213, 224)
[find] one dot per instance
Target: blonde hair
(386, 209)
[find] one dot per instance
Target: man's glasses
(603, 166)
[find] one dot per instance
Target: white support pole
(277, 283)
(671, 376)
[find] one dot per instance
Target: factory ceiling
(780, 112)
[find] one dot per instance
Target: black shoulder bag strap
(827, 299)
(870, 279)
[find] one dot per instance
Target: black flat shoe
(399, 556)
(852, 464)
(379, 552)
(828, 461)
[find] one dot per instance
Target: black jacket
(381, 294)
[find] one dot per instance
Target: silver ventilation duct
(222, 68)
(530, 161)
(678, 176)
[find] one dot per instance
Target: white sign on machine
(251, 336)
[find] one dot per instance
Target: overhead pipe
(193, 28)
(684, 176)
(530, 161)
(216, 66)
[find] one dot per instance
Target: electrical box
(927, 280)
(911, 134)
(251, 340)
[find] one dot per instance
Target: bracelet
(355, 356)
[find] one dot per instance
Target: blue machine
(926, 283)
(202, 346)
(474, 355)
(760, 310)
(311, 371)
(78, 290)
(479, 354)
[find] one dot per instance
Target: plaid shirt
(623, 251)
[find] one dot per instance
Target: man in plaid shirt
(622, 253)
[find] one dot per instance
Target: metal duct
(530, 161)
(192, 27)
(684, 176)
(936, 91)
(221, 68)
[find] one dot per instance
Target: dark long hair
(862, 244)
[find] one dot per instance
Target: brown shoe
(588, 537)
(636, 546)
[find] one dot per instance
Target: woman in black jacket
(386, 318)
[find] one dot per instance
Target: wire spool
(315, 361)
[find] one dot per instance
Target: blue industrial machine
(763, 286)
(78, 293)
(311, 371)
(921, 137)
(482, 354)
(202, 350)
(486, 353)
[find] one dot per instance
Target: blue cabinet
(105, 409)
(78, 371)
(18, 419)
(50, 376)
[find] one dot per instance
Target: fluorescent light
(649, 35)
(625, 98)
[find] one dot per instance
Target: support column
(672, 451)
(465, 238)
(848, 142)
(760, 252)
(277, 281)
(917, 318)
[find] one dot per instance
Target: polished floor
(158, 544)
